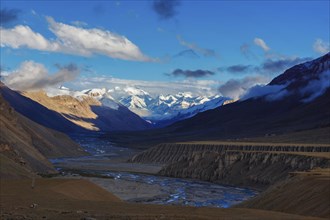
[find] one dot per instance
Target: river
(140, 182)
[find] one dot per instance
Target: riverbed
(140, 183)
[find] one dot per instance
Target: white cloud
(237, 88)
(73, 40)
(261, 43)
(89, 41)
(316, 87)
(271, 92)
(320, 46)
(33, 76)
(23, 36)
(154, 88)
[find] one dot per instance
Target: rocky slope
(10, 168)
(28, 144)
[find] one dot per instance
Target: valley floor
(81, 199)
(304, 195)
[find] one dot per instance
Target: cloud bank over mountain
(34, 76)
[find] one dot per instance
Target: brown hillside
(307, 193)
(28, 143)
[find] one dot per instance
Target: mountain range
(297, 100)
(160, 110)
(163, 110)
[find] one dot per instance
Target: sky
(205, 47)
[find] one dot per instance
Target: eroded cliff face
(257, 165)
(170, 153)
(242, 168)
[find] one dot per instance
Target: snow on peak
(185, 94)
(97, 93)
(63, 88)
(161, 107)
(135, 91)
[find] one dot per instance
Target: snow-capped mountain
(75, 111)
(159, 110)
(102, 95)
(165, 109)
(162, 110)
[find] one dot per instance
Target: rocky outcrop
(169, 153)
(248, 169)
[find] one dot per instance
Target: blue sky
(224, 40)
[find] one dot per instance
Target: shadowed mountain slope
(37, 112)
(25, 145)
